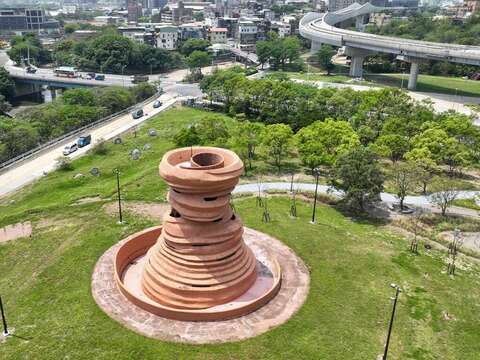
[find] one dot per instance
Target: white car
(68, 149)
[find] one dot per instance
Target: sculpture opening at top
(200, 259)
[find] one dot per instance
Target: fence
(70, 134)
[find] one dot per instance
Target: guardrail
(70, 134)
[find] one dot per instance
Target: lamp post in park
(316, 173)
(4, 320)
(395, 299)
(120, 219)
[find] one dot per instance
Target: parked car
(84, 140)
(100, 77)
(68, 149)
(137, 114)
(31, 70)
(157, 104)
(90, 76)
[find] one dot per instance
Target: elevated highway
(321, 28)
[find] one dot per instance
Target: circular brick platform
(292, 294)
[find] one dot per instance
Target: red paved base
(291, 295)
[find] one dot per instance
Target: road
(33, 168)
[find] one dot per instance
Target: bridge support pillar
(357, 56)
(414, 69)
(356, 67)
(360, 22)
(315, 46)
(412, 80)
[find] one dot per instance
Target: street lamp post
(316, 173)
(120, 221)
(4, 320)
(123, 78)
(395, 299)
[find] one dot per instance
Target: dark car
(100, 77)
(157, 104)
(137, 114)
(31, 70)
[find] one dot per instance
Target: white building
(167, 37)
(218, 35)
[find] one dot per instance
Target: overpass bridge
(320, 28)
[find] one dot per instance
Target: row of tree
(77, 108)
(329, 122)
(280, 53)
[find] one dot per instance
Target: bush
(63, 164)
(100, 147)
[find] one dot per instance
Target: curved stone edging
(291, 296)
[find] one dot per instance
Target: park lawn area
(430, 83)
(45, 282)
(466, 203)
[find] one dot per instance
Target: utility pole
(395, 299)
(120, 218)
(316, 172)
(4, 320)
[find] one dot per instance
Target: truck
(84, 140)
(139, 78)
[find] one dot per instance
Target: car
(137, 114)
(31, 70)
(157, 104)
(100, 77)
(68, 149)
(84, 140)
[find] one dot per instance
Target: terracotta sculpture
(199, 259)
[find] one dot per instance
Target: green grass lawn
(45, 282)
(429, 83)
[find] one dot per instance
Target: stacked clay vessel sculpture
(200, 259)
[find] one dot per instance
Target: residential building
(181, 14)
(281, 28)
(194, 30)
(473, 5)
(246, 35)
(217, 35)
(230, 24)
(135, 10)
(167, 37)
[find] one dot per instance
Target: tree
(114, 98)
(392, 146)
(7, 85)
(143, 91)
(324, 57)
(357, 173)
(278, 139)
(444, 196)
(323, 141)
(187, 136)
(79, 96)
(191, 45)
(405, 180)
(70, 28)
(426, 166)
(245, 139)
(196, 60)
(263, 50)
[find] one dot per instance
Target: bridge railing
(58, 140)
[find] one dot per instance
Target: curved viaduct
(320, 28)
